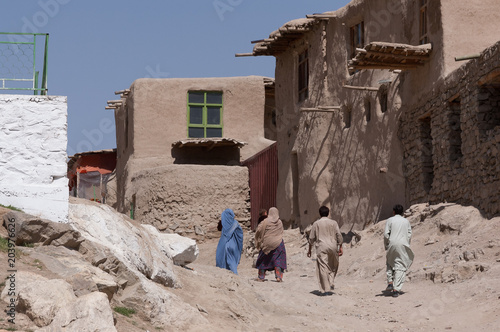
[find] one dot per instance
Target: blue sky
(98, 47)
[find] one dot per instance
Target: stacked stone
(459, 153)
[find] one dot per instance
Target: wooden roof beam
(124, 92)
(321, 16)
(320, 109)
(243, 54)
(368, 66)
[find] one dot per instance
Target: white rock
(162, 307)
(72, 267)
(40, 298)
(89, 313)
(129, 242)
(181, 249)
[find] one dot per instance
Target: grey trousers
(397, 277)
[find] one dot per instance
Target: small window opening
(347, 117)
(303, 76)
(455, 137)
(423, 38)
(488, 107)
(357, 37)
(383, 98)
(427, 153)
(368, 110)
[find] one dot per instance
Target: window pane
(213, 115)
(196, 132)
(214, 97)
(197, 97)
(214, 132)
(196, 115)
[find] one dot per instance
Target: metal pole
(34, 59)
(36, 83)
(45, 62)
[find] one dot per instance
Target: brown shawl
(269, 233)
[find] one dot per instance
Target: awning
(279, 40)
(102, 161)
(380, 55)
(88, 169)
(208, 142)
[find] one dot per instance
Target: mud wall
(351, 158)
(189, 199)
(154, 115)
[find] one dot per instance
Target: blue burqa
(230, 244)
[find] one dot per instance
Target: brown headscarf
(269, 233)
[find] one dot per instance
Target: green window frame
(204, 114)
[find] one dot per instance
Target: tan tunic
(325, 235)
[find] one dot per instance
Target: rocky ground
(453, 284)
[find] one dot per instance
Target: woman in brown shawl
(269, 240)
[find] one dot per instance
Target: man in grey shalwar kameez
(397, 237)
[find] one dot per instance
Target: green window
(204, 114)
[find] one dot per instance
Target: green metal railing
(19, 68)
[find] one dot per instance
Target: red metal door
(263, 178)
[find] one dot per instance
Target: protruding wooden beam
(243, 54)
(381, 66)
(320, 109)
(368, 88)
(329, 107)
(119, 101)
(321, 16)
(467, 57)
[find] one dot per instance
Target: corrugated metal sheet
(263, 178)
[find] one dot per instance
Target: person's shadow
(318, 293)
(387, 293)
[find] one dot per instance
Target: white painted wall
(33, 141)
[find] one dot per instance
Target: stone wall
(33, 167)
(189, 199)
(451, 141)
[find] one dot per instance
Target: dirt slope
(453, 285)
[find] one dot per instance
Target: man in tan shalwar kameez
(326, 236)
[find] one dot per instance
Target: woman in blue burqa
(231, 242)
